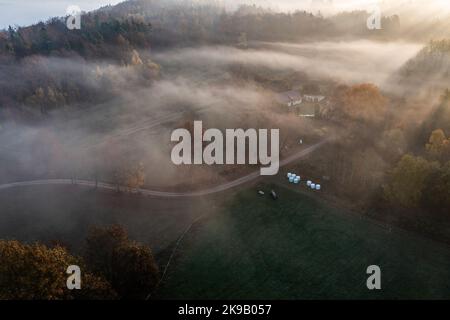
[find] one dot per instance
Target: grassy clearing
(298, 248)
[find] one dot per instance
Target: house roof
(288, 96)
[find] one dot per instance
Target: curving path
(223, 187)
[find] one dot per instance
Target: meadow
(299, 248)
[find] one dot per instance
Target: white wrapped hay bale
(309, 183)
(313, 186)
(318, 186)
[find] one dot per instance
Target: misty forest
(86, 177)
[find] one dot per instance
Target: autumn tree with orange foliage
(438, 146)
(36, 272)
(363, 102)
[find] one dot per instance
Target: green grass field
(298, 248)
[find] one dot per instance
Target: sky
(25, 12)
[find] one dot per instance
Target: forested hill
(163, 23)
(102, 35)
(46, 65)
(430, 68)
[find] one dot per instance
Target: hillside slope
(428, 70)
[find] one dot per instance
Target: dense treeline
(186, 22)
(36, 85)
(111, 31)
(386, 164)
(112, 267)
(430, 68)
(423, 180)
(100, 37)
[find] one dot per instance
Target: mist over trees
(145, 67)
(114, 33)
(429, 69)
(160, 24)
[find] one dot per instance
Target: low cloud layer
(353, 62)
